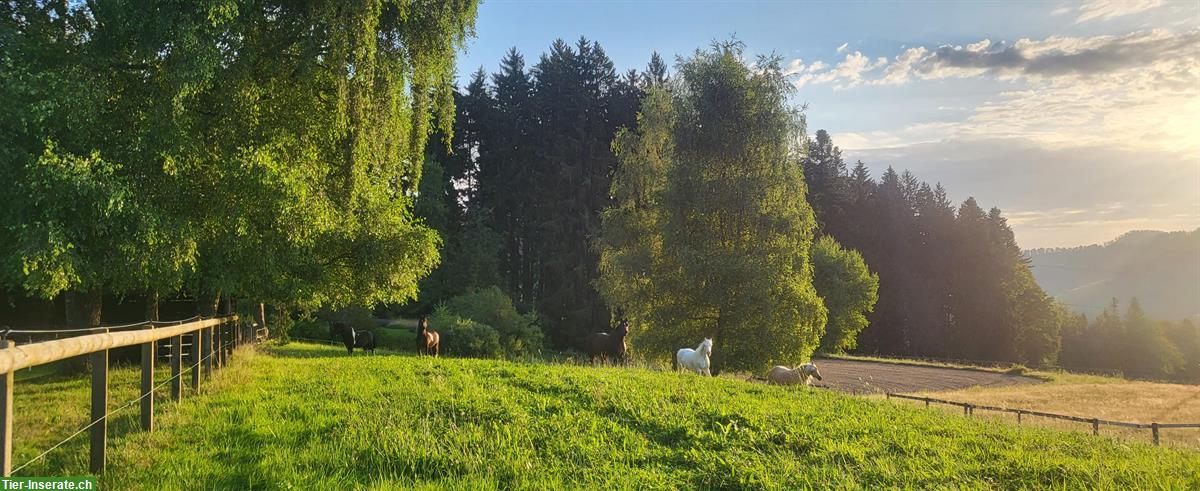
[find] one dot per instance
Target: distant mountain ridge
(1161, 269)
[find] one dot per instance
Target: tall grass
(307, 416)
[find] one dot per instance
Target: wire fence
(969, 410)
(213, 343)
(107, 415)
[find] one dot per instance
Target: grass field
(1134, 402)
(305, 416)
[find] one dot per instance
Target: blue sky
(1076, 118)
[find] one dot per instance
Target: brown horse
(428, 342)
(606, 345)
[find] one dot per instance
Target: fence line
(127, 405)
(213, 343)
(969, 409)
(327, 341)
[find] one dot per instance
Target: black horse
(352, 338)
(608, 345)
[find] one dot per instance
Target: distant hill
(1161, 269)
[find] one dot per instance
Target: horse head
(705, 346)
(422, 326)
(622, 328)
(810, 370)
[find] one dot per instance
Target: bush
(519, 333)
(312, 329)
(465, 337)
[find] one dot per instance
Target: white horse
(696, 360)
(802, 374)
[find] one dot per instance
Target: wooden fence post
(195, 360)
(1095, 426)
(227, 347)
(966, 411)
(206, 350)
(215, 347)
(6, 416)
(1018, 416)
(1154, 432)
(148, 386)
(177, 368)
(926, 402)
(99, 429)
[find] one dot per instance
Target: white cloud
(1140, 89)
(843, 47)
(1109, 9)
(850, 72)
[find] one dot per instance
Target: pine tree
(655, 74)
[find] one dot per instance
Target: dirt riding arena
(865, 377)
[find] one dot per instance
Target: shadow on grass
(304, 350)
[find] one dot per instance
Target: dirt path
(865, 377)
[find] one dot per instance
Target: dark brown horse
(428, 342)
(609, 346)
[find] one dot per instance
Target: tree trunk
(152, 306)
(83, 308)
(82, 311)
(207, 303)
(260, 317)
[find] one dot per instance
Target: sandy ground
(864, 377)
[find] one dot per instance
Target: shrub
(313, 329)
(465, 337)
(519, 333)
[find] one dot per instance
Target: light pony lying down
(801, 375)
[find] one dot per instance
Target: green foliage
(952, 283)
(291, 416)
(464, 337)
(519, 333)
(269, 151)
(709, 232)
(81, 225)
(848, 289)
(312, 328)
(1133, 344)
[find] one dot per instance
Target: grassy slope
(307, 415)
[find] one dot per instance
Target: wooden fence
(211, 345)
(969, 410)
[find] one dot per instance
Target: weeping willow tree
(346, 98)
(709, 234)
(269, 150)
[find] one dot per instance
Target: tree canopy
(848, 289)
(710, 232)
(268, 150)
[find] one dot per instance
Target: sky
(1080, 120)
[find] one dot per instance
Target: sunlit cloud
(1140, 89)
(1110, 9)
